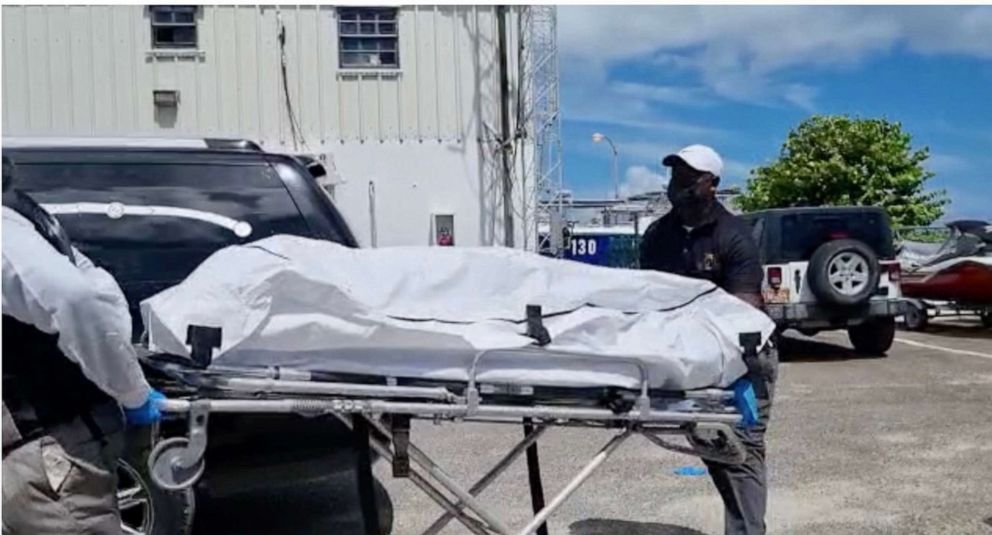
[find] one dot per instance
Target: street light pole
(615, 171)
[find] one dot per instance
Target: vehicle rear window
(804, 233)
(151, 224)
(757, 225)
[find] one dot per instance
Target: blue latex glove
(146, 414)
(693, 471)
(746, 402)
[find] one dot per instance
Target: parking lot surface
(901, 444)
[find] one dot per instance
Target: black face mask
(690, 202)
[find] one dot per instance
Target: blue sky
(655, 78)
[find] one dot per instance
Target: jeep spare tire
(843, 273)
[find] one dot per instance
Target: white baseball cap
(698, 157)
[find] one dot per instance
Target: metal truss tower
(522, 163)
(539, 142)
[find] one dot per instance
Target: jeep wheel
(873, 337)
(145, 508)
(843, 272)
(916, 317)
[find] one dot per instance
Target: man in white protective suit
(68, 368)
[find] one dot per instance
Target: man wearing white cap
(699, 238)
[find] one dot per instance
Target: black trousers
(744, 487)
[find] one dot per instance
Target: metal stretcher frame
(386, 411)
(184, 459)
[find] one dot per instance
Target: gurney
(383, 409)
(301, 352)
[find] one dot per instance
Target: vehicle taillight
(840, 235)
(895, 272)
(775, 277)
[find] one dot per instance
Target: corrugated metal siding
(89, 70)
(424, 134)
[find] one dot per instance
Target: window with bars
(173, 26)
(368, 38)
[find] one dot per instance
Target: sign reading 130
(583, 246)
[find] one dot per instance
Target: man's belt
(19, 430)
(23, 425)
(11, 434)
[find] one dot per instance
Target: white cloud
(801, 95)
(603, 117)
(682, 96)
(647, 156)
(949, 31)
(735, 172)
(965, 204)
(946, 128)
(641, 179)
(589, 96)
(772, 37)
(648, 151)
(941, 163)
(740, 52)
(629, 106)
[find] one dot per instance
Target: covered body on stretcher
(293, 325)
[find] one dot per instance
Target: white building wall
(416, 131)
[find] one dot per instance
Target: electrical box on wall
(165, 98)
(166, 103)
(443, 229)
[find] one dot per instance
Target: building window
(173, 26)
(368, 38)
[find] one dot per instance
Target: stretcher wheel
(165, 465)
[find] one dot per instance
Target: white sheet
(423, 312)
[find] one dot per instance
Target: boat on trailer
(953, 277)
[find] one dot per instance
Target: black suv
(830, 268)
(149, 212)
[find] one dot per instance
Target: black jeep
(150, 211)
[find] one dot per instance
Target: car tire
(986, 317)
(843, 273)
(873, 337)
(915, 317)
(164, 512)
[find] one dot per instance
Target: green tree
(840, 160)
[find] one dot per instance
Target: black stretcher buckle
(202, 341)
(535, 326)
(400, 427)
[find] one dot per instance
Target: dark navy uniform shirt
(720, 250)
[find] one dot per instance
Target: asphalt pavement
(894, 445)
(900, 444)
